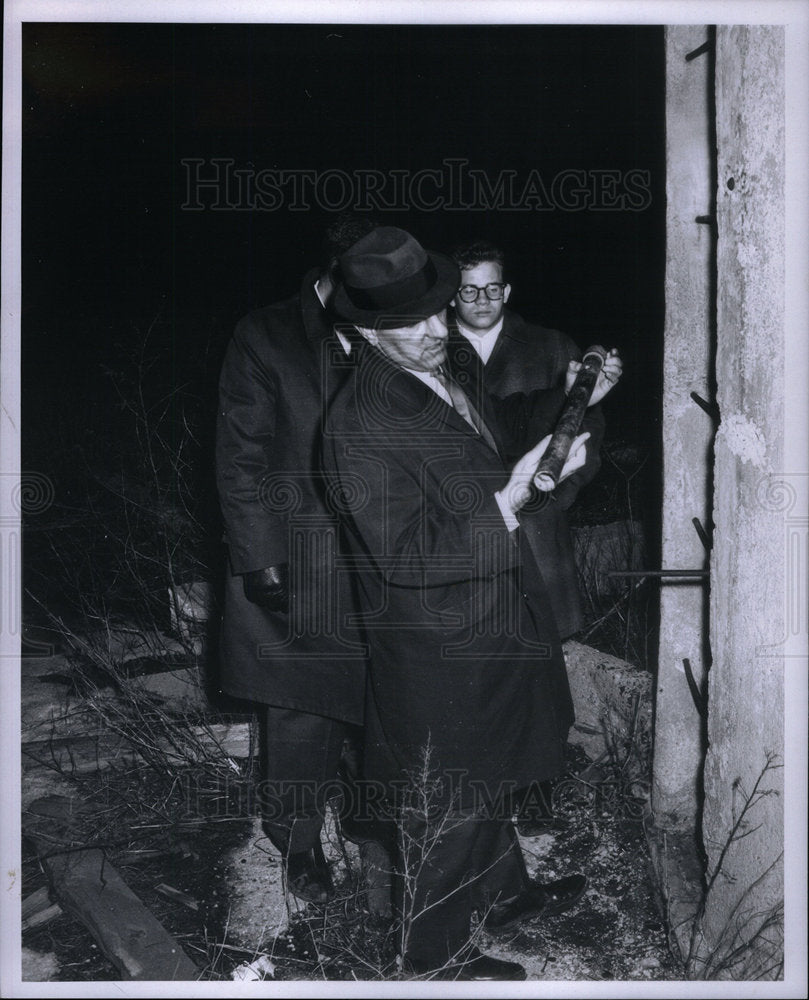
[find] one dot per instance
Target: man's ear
(506, 293)
(369, 335)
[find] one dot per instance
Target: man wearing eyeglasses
(516, 356)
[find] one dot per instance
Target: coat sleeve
(408, 523)
(523, 419)
(245, 446)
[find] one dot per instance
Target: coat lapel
(415, 397)
(504, 348)
(333, 365)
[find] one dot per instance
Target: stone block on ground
(612, 699)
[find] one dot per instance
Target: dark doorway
(176, 176)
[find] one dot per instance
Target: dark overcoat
(464, 654)
(526, 357)
(281, 368)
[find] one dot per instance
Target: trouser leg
(449, 868)
(501, 863)
(365, 812)
(301, 760)
(433, 897)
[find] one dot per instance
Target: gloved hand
(268, 588)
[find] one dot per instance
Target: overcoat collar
(407, 391)
(512, 329)
(316, 320)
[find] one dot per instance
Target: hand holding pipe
(567, 426)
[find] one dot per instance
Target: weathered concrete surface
(677, 873)
(612, 700)
(258, 902)
(748, 584)
(687, 429)
(260, 906)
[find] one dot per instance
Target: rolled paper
(567, 426)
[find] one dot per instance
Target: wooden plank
(33, 903)
(79, 754)
(83, 754)
(91, 889)
(37, 909)
(235, 739)
(41, 918)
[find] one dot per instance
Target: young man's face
(482, 314)
(421, 347)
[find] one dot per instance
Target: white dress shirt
(483, 343)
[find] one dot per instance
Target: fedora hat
(388, 278)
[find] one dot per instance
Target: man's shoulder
(544, 339)
(276, 316)
(517, 326)
(275, 327)
(378, 396)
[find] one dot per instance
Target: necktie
(464, 407)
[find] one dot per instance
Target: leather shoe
(308, 876)
(540, 900)
(476, 968)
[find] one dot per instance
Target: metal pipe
(569, 422)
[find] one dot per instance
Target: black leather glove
(268, 588)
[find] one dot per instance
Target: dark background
(110, 111)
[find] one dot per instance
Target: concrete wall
(746, 682)
(725, 340)
(687, 429)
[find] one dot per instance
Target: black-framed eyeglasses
(469, 293)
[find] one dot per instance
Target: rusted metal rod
(710, 408)
(700, 50)
(702, 533)
(659, 572)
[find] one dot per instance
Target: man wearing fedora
(468, 696)
(286, 640)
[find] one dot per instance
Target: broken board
(90, 888)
